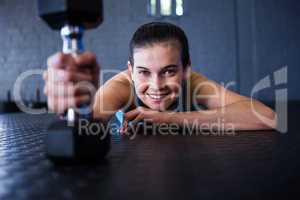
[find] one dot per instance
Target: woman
(158, 86)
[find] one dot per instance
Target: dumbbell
(66, 139)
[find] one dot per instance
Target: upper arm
(211, 94)
(111, 97)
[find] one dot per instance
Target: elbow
(267, 121)
(265, 117)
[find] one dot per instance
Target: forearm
(239, 116)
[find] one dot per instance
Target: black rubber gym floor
(248, 165)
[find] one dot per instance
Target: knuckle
(67, 90)
(54, 58)
(49, 61)
(45, 90)
(92, 57)
(60, 57)
(89, 56)
(141, 109)
(68, 76)
(142, 115)
(51, 88)
(51, 104)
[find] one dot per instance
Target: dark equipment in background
(65, 142)
(8, 106)
(11, 106)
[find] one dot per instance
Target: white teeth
(157, 97)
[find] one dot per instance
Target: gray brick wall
(220, 33)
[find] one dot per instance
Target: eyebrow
(164, 68)
(140, 67)
(170, 66)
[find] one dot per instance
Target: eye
(170, 72)
(144, 72)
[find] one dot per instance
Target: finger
(54, 75)
(57, 105)
(86, 60)
(60, 61)
(88, 64)
(66, 90)
(60, 75)
(60, 105)
(137, 119)
(132, 114)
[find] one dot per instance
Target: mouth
(157, 97)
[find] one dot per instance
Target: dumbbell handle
(72, 39)
(72, 44)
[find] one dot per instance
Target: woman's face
(157, 74)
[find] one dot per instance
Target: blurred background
(239, 41)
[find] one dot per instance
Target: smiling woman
(159, 79)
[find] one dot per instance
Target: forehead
(158, 55)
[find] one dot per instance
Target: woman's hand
(140, 114)
(70, 81)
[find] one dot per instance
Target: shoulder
(119, 86)
(116, 88)
(197, 77)
(196, 80)
(113, 95)
(122, 78)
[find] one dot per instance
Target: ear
(130, 67)
(187, 72)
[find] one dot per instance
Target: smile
(156, 96)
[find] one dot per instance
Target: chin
(152, 106)
(158, 107)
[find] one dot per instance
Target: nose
(157, 83)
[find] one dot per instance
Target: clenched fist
(70, 81)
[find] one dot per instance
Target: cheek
(174, 84)
(140, 86)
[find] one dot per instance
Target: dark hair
(156, 32)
